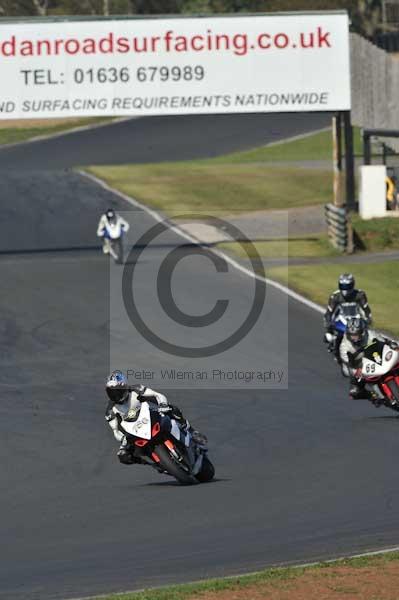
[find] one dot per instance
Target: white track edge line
(176, 229)
(294, 138)
(248, 574)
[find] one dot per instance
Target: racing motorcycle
(169, 448)
(113, 234)
(344, 313)
(380, 372)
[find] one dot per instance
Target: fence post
(349, 162)
(337, 158)
(339, 228)
(366, 148)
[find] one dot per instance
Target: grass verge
(377, 235)
(312, 147)
(20, 133)
(241, 181)
(366, 578)
(303, 247)
(378, 279)
(218, 188)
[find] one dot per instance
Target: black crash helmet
(111, 216)
(346, 284)
(356, 331)
(117, 387)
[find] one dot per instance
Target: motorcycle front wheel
(172, 466)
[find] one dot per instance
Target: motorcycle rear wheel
(172, 467)
(207, 471)
(393, 386)
(394, 403)
(118, 248)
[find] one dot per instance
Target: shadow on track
(177, 484)
(383, 418)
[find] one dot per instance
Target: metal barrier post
(339, 228)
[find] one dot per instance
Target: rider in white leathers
(110, 217)
(357, 337)
(124, 405)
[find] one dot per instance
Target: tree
(15, 8)
(41, 7)
(160, 7)
(367, 16)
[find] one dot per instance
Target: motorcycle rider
(346, 292)
(110, 217)
(124, 404)
(356, 338)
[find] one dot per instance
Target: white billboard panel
(276, 63)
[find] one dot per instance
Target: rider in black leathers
(346, 293)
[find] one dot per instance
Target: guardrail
(339, 228)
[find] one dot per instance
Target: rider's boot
(126, 456)
(105, 246)
(358, 391)
(199, 438)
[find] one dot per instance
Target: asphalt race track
(156, 139)
(302, 474)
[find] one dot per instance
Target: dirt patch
(380, 582)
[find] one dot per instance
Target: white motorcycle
(164, 445)
(380, 372)
(113, 237)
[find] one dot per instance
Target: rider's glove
(177, 413)
(328, 339)
(164, 409)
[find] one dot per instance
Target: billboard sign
(276, 63)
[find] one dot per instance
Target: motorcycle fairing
(113, 231)
(178, 434)
(378, 359)
(345, 311)
(141, 427)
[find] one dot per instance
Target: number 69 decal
(370, 367)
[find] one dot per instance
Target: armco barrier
(339, 228)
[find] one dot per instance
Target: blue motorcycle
(344, 313)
